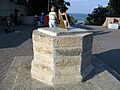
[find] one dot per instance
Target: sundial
(61, 23)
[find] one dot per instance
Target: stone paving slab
(13, 44)
(19, 78)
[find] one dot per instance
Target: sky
(85, 6)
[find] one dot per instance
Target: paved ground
(106, 47)
(13, 44)
(19, 78)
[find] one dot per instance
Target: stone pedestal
(61, 57)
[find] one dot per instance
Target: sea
(80, 17)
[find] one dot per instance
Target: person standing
(53, 17)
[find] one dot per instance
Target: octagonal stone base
(61, 57)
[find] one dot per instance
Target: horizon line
(77, 13)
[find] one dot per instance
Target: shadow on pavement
(13, 39)
(109, 61)
(82, 27)
(98, 68)
(111, 58)
(100, 32)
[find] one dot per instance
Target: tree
(37, 7)
(60, 4)
(114, 6)
(98, 16)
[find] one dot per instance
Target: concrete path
(106, 46)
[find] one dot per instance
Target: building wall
(7, 7)
(111, 20)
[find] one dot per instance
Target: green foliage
(86, 22)
(60, 4)
(114, 8)
(98, 16)
(71, 20)
(39, 6)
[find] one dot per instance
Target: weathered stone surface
(42, 77)
(42, 55)
(68, 51)
(42, 50)
(87, 70)
(67, 61)
(40, 47)
(62, 41)
(43, 59)
(87, 47)
(62, 79)
(88, 38)
(86, 59)
(61, 59)
(42, 68)
(68, 70)
(73, 40)
(41, 38)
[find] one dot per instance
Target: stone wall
(61, 59)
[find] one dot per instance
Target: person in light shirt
(53, 18)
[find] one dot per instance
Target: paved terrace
(106, 47)
(14, 44)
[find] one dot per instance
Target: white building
(8, 6)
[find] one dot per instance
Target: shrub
(97, 17)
